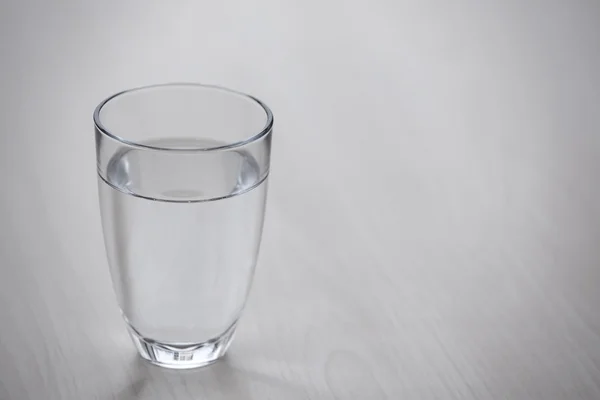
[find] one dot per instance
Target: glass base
(182, 356)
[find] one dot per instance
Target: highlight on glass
(182, 178)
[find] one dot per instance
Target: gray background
(433, 227)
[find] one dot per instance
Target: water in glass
(182, 245)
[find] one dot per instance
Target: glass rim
(251, 139)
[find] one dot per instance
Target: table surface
(433, 225)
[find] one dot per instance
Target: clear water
(182, 233)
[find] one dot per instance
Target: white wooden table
(433, 227)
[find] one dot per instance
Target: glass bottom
(182, 356)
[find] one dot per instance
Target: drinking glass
(182, 180)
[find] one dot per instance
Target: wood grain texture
(433, 222)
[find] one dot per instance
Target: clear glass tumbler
(182, 178)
